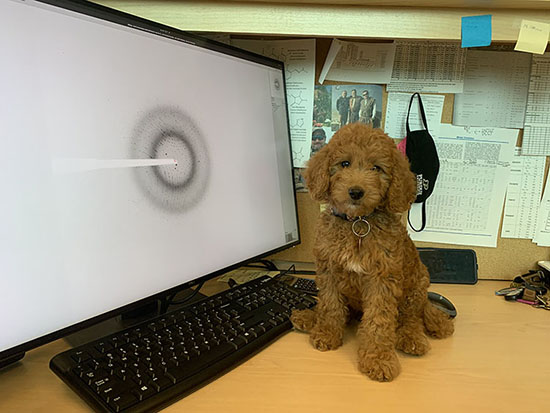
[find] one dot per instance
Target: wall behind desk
(512, 257)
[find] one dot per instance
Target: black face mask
(422, 154)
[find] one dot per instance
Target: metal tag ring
(354, 230)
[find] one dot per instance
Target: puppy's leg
(410, 332)
(437, 323)
(331, 314)
(376, 333)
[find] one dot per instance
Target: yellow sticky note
(533, 37)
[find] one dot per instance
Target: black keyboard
(149, 366)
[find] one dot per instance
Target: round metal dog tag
(359, 228)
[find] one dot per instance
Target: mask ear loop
(423, 218)
(422, 113)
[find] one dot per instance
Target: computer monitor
(136, 160)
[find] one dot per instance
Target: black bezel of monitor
(118, 17)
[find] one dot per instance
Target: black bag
(422, 154)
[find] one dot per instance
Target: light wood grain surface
(328, 20)
(497, 361)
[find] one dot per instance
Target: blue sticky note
(476, 31)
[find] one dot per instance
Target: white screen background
(77, 245)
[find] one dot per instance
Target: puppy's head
(361, 170)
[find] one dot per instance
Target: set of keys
(528, 289)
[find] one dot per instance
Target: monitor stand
(12, 359)
(125, 320)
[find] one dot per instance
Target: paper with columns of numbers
(523, 196)
(358, 62)
(466, 205)
(495, 90)
(542, 232)
(536, 133)
(428, 67)
(398, 106)
(299, 59)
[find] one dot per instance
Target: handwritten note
(533, 37)
(476, 31)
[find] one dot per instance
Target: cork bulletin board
(512, 257)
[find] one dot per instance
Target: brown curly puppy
(364, 257)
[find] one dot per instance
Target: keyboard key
(122, 401)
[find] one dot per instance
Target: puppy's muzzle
(356, 193)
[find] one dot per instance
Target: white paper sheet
(359, 62)
(429, 67)
(523, 196)
(466, 205)
(299, 59)
(396, 113)
(542, 233)
(536, 133)
(495, 90)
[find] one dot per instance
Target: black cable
(169, 300)
(269, 265)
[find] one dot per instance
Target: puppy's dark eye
(345, 164)
(376, 168)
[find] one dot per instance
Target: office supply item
(83, 81)
(536, 133)
(358, 62)
(147, 366)
(304, 285)
(298, 56)
(450, 265)
(495, 90)
(533, 36)
(476, 31)
(442, 303)
(396, 113)
(428, 67)
(523, 196)
(466, 205)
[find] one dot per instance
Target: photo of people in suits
(356, 103)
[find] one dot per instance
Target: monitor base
(121, 322)
(10, 360)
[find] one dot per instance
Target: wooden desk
(497, 361)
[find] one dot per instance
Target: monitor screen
(135, 159)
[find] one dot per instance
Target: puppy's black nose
(356, 193)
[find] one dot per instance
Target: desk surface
(497, 361)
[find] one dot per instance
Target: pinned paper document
(533, 37)
(476, 31)
(359, 62)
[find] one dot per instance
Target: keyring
(357, 233)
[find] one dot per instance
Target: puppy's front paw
(380, 366)
(303, 319)
(414, 344)
(323, 341)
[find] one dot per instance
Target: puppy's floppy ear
(317, 175)
(402, 191)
